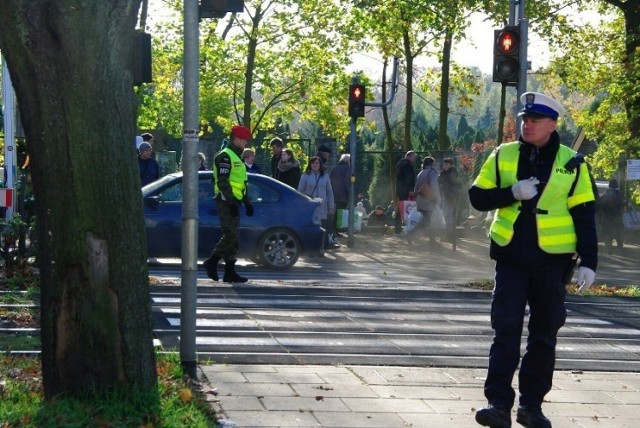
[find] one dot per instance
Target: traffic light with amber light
(506, 55)
(356, 101)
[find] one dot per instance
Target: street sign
(6, 197)
(633, 169)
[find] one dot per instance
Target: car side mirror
(152, 202)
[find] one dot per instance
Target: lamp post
(189, 281)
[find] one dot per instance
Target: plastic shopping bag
(413, 219)
(437, 218)
(342, 220)
(405, 208)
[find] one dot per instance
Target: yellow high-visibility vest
(556, 231)
(237, 178)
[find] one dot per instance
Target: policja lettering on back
(230, 189)
(545, 214)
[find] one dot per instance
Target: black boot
(493, 417)
(211, 266)
(532, 417)
(230, 274)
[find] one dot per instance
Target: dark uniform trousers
(543, 288)
(227, 247)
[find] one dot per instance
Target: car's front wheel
(278, 249)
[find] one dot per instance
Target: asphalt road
(378, 259)
(271, 323)
(384, 303)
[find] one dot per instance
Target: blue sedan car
(285, 224)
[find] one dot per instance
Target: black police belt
(534, 210)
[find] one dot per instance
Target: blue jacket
(149, 170)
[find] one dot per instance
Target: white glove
(524, 190)
(585, 279)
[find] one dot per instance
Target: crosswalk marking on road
(318, 325)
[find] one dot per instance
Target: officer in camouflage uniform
(230, 188)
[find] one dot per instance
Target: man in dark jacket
(148, 166)
(405, 182)
(341, 181)
(324, 153)
(341, 184)
(545, 215)
(276, 145)
(611, 209)
(450, 185)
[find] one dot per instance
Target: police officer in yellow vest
(545, 214)
(230, 188)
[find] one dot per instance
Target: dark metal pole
(502, 115)
(516, 17)
(352, 151)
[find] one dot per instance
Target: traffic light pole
(502, 114)
(352, 152)
(352, 145)
(516, 17)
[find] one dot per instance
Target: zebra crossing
(298, 322)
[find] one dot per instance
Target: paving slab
(350, 396)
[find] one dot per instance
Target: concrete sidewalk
(383, 396)
(379, 396)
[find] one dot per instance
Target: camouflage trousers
(227, 247)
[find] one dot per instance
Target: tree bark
(251, 65)
(443, 139)
(388, 132)
(408, 112)
(631, 11)
(70, 65)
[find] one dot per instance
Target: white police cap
(539, 105)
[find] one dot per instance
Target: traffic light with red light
(356, 101)
(506, 55)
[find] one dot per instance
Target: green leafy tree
(463, 127)
(278, 60)
(611, 49)
(69, 63)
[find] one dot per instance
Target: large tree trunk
(69, 62)
(631, 11)
(631, 60)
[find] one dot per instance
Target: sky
(475, 50)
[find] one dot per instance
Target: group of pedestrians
(432, 191)
(314, 182)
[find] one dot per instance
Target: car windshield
(152, 188)
(258, 192)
